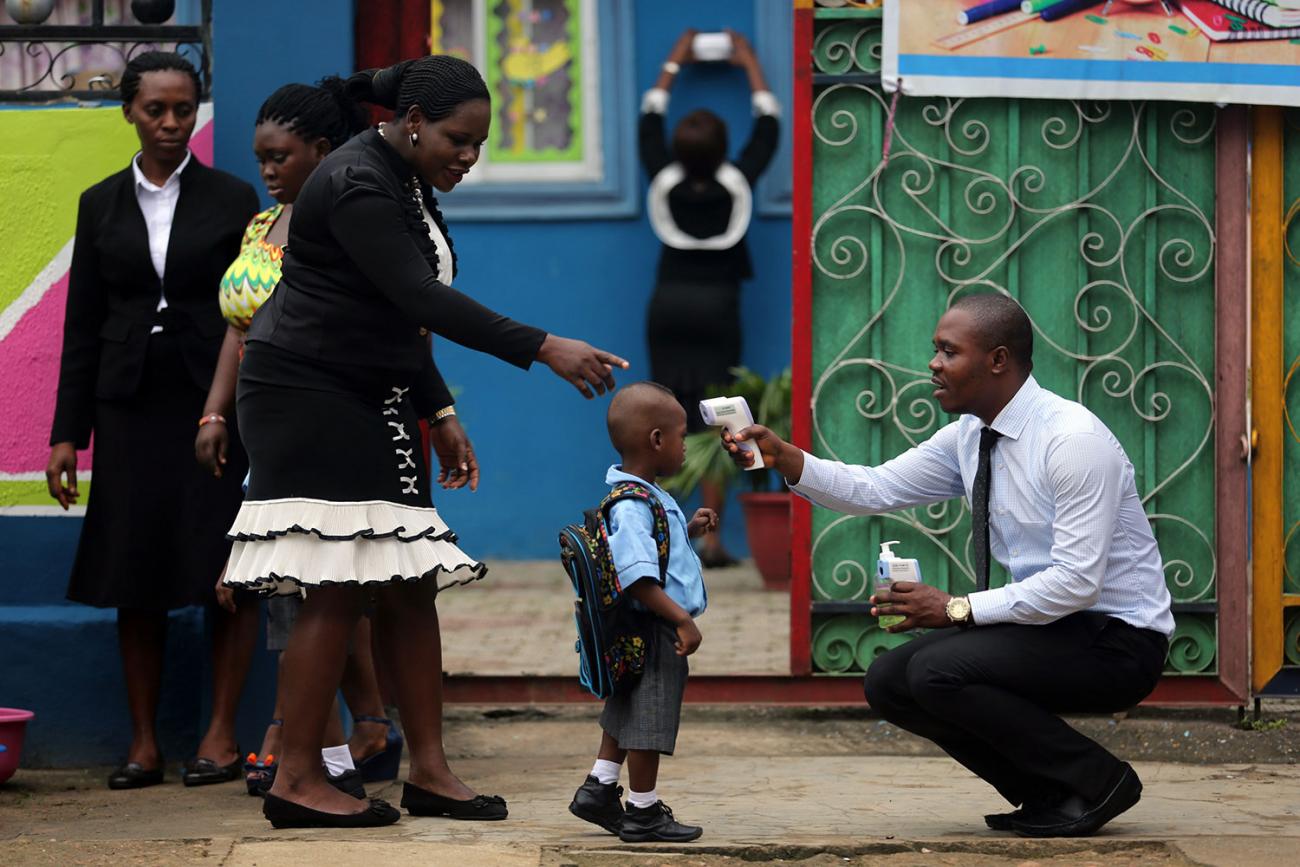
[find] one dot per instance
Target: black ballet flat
(480, 808)
(133, 776)
(205, 772)
(286, 814)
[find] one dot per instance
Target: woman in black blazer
(141, 335)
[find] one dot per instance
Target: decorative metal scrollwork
(1099, 218)
(1291, 383)
(53, 62)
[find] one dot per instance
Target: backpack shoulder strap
(659, 517)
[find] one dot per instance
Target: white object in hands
(733, 414)
(711, 47)
(890, 569)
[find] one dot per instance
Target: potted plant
(766, 505)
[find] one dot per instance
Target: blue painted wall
(534, 433)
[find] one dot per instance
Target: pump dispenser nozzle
(886, 552)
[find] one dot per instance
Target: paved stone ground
(768, 785)
(519, 620)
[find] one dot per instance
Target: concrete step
(62, 663)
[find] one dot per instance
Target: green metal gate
(1100, 218)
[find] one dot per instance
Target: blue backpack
(613, 637)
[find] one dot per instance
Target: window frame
(614, 193)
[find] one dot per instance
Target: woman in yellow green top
(295, 128)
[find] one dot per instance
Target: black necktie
(979, 508)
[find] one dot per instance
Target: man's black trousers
(990, 695)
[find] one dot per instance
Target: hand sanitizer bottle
(890, 569)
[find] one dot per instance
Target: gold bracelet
(445, 412)
(211, 417)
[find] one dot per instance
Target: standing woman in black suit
(141, 335)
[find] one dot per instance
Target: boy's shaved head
(637, 409)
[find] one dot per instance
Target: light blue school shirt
(1065, 517)
(636, 555)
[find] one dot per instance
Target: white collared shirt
(1065, 518)
(158, 205)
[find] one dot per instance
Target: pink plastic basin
(13, 726)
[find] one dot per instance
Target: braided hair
(156, 61)
(438, 84)
(324, 111)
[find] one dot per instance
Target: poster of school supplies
(1224, 51)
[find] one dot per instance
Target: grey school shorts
(281, 614)
(647, 717)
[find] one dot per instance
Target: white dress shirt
(158, 205)
(1064, 513)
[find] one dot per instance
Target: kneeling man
(1083, 625)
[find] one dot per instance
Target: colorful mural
(48, 157)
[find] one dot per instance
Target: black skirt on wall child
(693, 330)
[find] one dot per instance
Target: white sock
(337, 759)
(643, 799)
(606, 771)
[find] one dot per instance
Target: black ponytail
(438, 84)
(325, 111)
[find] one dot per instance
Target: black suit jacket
(113, 290)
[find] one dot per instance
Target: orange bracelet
(211, 417)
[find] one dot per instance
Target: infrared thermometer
(733, 414)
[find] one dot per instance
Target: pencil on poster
(1067, 7)
(987, 10)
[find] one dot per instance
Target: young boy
(648, 428)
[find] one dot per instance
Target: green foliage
(706, 459)
(1262, 725)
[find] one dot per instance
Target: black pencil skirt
(154, 535)
(339, 491)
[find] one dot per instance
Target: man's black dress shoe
(482, 808)
(287, 814)
(599, 804)
(1002, 821)
(205, 772)
(655, 824)
(133, 776)
(1075, 817)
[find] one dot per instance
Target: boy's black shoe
(599, 804)
(655, 824)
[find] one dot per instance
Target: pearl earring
(415, 138)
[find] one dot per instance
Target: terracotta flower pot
(767, 524)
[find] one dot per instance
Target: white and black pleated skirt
(339, 491)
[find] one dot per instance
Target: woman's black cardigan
(359, 281)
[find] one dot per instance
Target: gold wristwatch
(958, 611)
